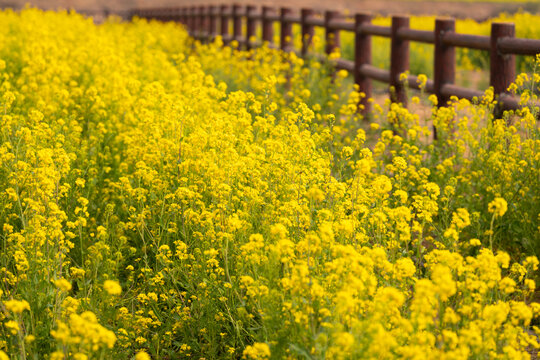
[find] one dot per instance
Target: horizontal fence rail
(502, 45)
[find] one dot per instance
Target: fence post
(399, 60)
(201, 17)
(502, 66)
(200, 20)
(444, 67)
(203, 25)
(362, 56)
(286, 30)
(194, 22)
(307, 30)
(237, 23)
(183, 17)
(189, 22)
(251, 26)
(212, 19)
(224, 23)
(332, 35)
(267, 25)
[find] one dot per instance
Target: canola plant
(166, 199)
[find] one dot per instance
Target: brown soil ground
(475, 10)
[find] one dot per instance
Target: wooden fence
(502, 45)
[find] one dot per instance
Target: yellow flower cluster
(82, 334)
(112, 287)
(16, 306)
(257, 351)
(163, 198)
(498, 207)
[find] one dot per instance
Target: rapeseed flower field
(166, 199)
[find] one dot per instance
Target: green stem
(21, 339)
(491, 233)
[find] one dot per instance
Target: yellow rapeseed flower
(17, 306)
(142, 355)
(257, 351)
(63, 284)
(498, 206)
(112, 287)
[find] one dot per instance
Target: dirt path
(476, 10)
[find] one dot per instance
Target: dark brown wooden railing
(502, 45)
